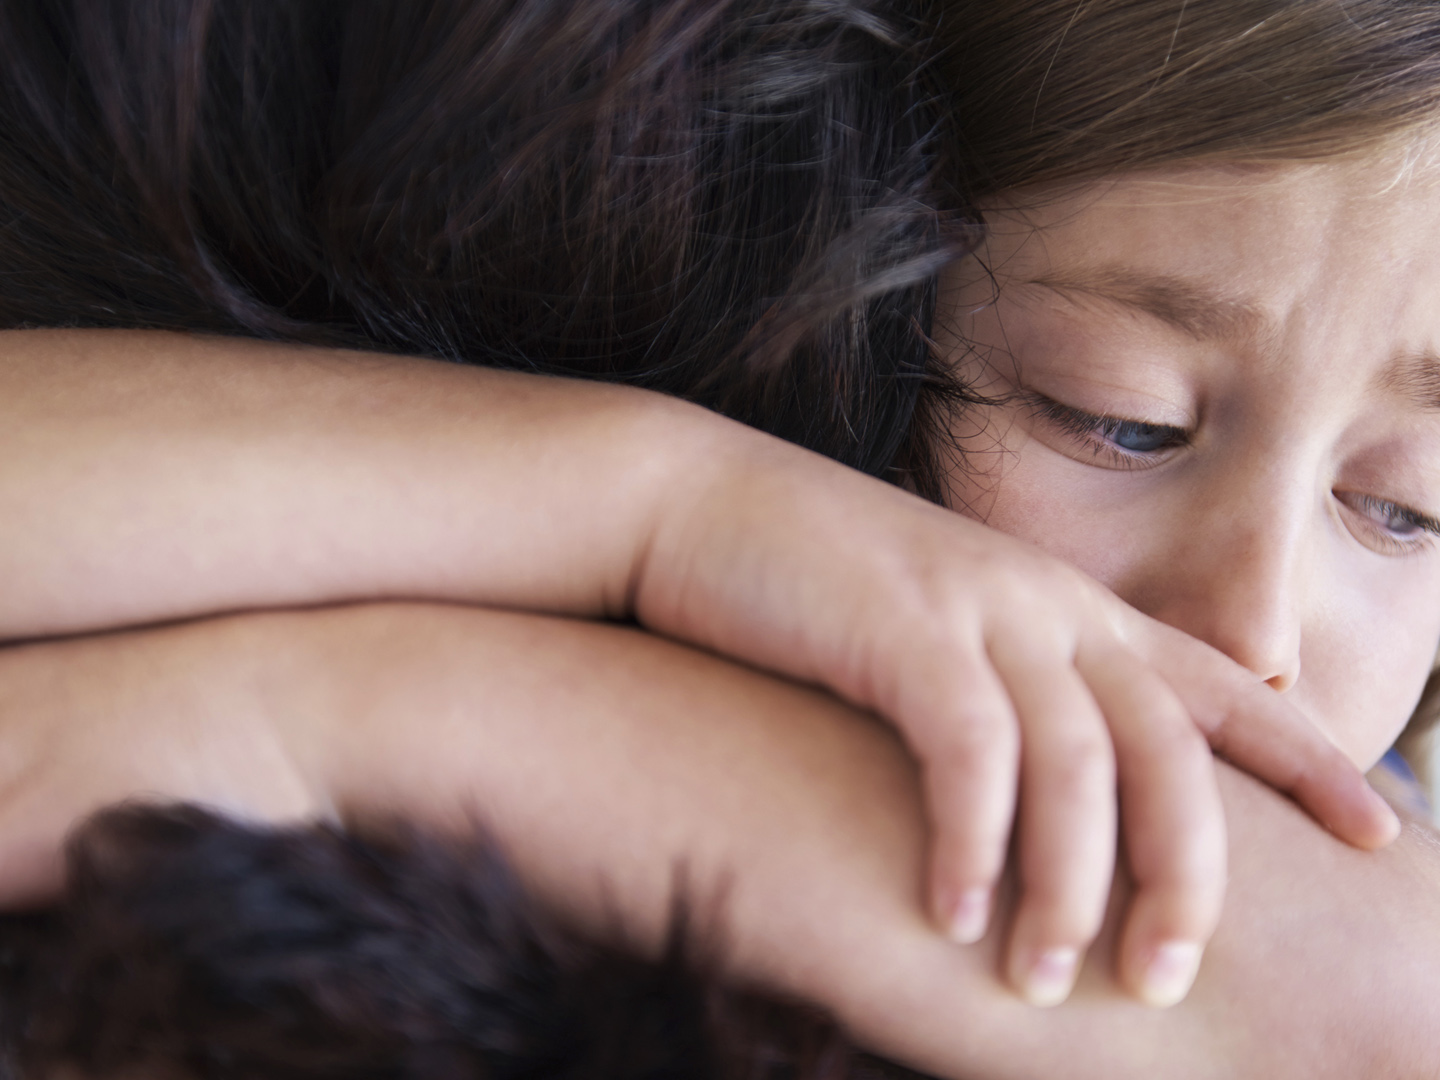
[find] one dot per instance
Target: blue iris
(1140, 438)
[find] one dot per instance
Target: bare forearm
(603, 759)
(150, 476)
(809, 815)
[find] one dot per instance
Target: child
(727, 540)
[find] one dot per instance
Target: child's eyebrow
(1413, 375)
(1188, 306)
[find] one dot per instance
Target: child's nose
(1232, 578)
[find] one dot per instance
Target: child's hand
(1036, 702)
(153, 477)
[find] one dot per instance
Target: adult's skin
(804, 814)
(159, 476)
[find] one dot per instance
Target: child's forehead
(1224, 246)
(1303, 283)
(1370, 181)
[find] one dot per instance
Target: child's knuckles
(1076, 768)
(1184, 851)
(1041, 588)
(966, 738)
(1012, 577)
(1171, 912)
(932, 639)
(970, 796)
(1074, 917)
(1169, 743)
(965, 857)
(1060, 917)
(1185, 881)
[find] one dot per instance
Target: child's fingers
(1276, 743)
(970, 755)
(1172, 820)
(1066, 829)
(1253, 727)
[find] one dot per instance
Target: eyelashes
(1398, 529)
(1124, 443)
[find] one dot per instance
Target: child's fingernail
(1050, 977)
(1170, 974)
(1390, 820)
(969, 916)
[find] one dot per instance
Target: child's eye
(1397, 529)
(1126, 444)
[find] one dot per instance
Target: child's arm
(806, 817)
(148, 477)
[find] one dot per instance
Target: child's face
(1221, 397)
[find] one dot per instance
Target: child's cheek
(1361, 676)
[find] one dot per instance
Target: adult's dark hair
(735, 201)
(743, 202)
(724, 200)
(192, 948)
(687, 195)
